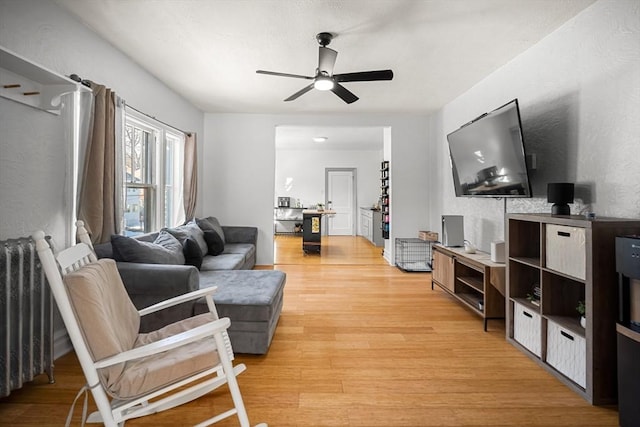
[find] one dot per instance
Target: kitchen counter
(312, 229)
(318, 212)
(285, 219)
(370, 225)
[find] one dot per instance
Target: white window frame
(162, 135)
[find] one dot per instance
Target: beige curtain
(97, 204)
(190, 182)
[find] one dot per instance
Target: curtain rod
(159, 121)
(119, 100)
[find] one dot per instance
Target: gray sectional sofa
(252, 299)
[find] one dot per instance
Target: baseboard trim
(387, 257)
(61, 343)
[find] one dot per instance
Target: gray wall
(579, 94)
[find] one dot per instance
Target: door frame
(354, 220)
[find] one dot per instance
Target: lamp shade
(560, 194)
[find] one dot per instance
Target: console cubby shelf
(473, 282)
(571, 259)
(569, 322)
(531, 261)
(472, 300)
(473, 279)
(526, 303)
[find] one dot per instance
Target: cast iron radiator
(26, 316)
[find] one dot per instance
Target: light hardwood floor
(361, 343)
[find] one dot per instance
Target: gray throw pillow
(211, 223)
(189, 231)
(166, 249)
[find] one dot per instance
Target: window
(153, 164)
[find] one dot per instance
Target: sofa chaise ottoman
(252, 299)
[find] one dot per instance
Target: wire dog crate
(413, 255)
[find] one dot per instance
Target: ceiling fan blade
(326, 60)
(344, 93)
(273, 73)
(364, 76)
(300, 92)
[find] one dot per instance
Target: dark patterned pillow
(214, 242)
(192, 253)
(165, 249)
(211, 223)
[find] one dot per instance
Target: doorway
(340, 190)
(304, 154)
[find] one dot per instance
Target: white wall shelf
(27, 83)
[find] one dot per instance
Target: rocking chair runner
(130, 374)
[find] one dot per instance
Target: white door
(340, 198)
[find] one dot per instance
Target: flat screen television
(488, 157)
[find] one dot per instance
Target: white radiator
(26, 316)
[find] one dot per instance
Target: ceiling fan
(326, 80)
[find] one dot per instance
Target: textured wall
(33, 152)
(307, 168)
(35, 144)
(579, 94)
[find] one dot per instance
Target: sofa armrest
(149, 284)
(240, 234)
(158, 279)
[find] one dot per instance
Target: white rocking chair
(129, 374)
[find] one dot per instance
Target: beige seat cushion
(110, 323)
(151, 373)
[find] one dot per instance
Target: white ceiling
(208, 50)
(338, 138)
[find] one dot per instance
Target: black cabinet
(628, 376)
(628, 329)
(311, 232)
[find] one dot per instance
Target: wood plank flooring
(360, 343)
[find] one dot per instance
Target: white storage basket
(566, 250)
(526, 328)
(566, 351)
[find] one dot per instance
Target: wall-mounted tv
(488, 157)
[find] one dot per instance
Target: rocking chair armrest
(189, 296)
(168, 343)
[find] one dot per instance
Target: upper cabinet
(23, 81)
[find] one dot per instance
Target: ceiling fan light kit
(324, 78)
(323, 83)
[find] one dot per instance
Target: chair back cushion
(106, 316)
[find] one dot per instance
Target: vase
(583, 321)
